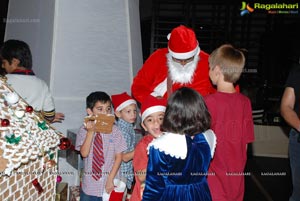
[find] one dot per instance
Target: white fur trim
(185, 55)
(211, 140)
(151, 110)
(180, 74)
(119, 187)
(160, 89)
(169, 36)
(171, 144)
(125, 104)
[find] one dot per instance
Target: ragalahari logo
(246, 9)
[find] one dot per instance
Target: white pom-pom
(169, 36)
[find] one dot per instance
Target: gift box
(61, 191)
(74, 193)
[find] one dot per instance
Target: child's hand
(142, 189)
(59, 117)
(109, 186)
(90, 126)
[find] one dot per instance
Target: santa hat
(151, 105)
(120, 101)
(183, 43)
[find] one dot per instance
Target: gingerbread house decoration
(28, 150)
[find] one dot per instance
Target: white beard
(182, 74)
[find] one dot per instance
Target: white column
(79, 46)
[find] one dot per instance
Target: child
(99, 172)
(17, 62)
(232, 122)
(152, 113)
(125, 111)
(179, 159)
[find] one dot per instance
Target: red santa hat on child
(120, 101)
(151, 105)
(183, 43)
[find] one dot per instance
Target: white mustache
(182, 74)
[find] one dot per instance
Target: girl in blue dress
(179, 159)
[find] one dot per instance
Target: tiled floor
(270, 179)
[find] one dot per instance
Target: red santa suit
(154, 74)
(152, 77)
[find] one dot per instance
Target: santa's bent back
(182, 64)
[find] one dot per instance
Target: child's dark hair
(19, 50)
(96, 96)
(186, 113)
(2, 70)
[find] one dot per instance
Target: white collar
(172, 144)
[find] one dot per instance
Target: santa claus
(182, 64)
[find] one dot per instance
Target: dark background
(271, 40)
(3, 14)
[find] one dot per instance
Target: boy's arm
(140, 161)
(86, 146)
(110, 179)
(127, 156)
(141, 175)
(48, 106)
(59, 117)
(287, 108)
(49, 115)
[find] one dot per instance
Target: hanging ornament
(65, 143)
(37, 186)
(5, 122)
(29, 109)
(58, 179)
(11, 98)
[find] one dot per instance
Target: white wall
(135, 36)
(91, 52)
(79, 46)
